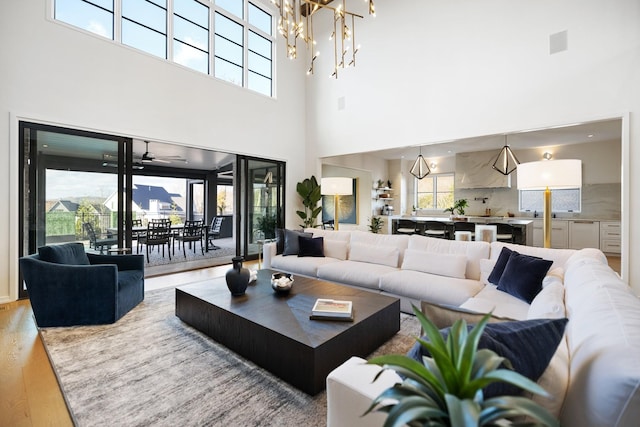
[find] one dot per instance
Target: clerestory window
(183, 31)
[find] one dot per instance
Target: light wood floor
(29, 391)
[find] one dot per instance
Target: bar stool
(406, 226)
(465, 226)
(486, 233)
(504, 233)
(464, 236)
(436, 229)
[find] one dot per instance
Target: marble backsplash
(599, 201)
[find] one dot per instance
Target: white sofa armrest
(269, 250)
(350, 391)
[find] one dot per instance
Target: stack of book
(329, 309)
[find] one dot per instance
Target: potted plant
(309, 191)
(375, 224)
(446, 389)
(267, 225)
(457, 209)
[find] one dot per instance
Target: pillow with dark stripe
(527, 344)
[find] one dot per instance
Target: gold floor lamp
(336, 187)
(549, 175)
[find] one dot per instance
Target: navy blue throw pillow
(496, 273)
(311, 246)
(279, 241)
(67, 253)
(291, 241)
(522, 276)
(528, 344)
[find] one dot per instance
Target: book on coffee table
(329, 309)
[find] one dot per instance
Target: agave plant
(446, 389)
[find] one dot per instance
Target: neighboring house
(64, 206)
(150, 202)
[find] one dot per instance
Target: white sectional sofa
(594, 376)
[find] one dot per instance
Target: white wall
(55, 74)
(431, 71)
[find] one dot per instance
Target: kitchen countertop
(472, 219)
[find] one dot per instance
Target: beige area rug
(152, 369)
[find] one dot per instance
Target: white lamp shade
(336, 186)
(552, 174)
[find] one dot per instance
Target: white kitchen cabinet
(559, 234)
(584, 234)
(610, 237)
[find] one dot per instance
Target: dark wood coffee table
(275, 332)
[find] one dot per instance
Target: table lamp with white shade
(336, 187)
(549, 175)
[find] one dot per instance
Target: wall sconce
(433, 165)
(547, 155)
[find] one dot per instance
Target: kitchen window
(434, 192)
(567, 200)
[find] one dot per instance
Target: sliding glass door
(261, 202)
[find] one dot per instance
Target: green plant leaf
(410, 409)
(463, 412)
(514, 406)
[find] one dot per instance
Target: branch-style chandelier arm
(295, 15)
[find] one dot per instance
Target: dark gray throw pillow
(68, 253)
(501, 263)
(291, 246)
(311, 246)
(279, 240)
(528, 344)
(523, 275)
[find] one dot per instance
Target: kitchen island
(522, 228)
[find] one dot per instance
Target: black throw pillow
(498, 269)
(311, 246)
(291, 241)
(528, 344)
(523, 275)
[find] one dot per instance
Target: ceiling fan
(148, 157)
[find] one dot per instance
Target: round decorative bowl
(281, 282)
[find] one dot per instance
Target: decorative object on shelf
(295, 15)
(388, 183)
(282, 282)
(336, 187)
(375, 224)
(237, 277)
(549, 175)
(420, 168)
(506, 162)
(380, 184)
(457, 209)
(449, 387)
(309, 191)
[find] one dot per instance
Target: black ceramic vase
(237, 277)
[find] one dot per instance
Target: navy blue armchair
(69, 287)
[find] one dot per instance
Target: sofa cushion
(429, 287)
(549, 303)
(356, 273)
(528, 345)
(450, 265)
(444, 316)
(310, 246)
(291, 245)
(336, 249)
(473, 251)
(558, 256)
(67, 253)
(522, 276)
(490, 299)
(383, 255)
(399, 241)
(306, 266)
